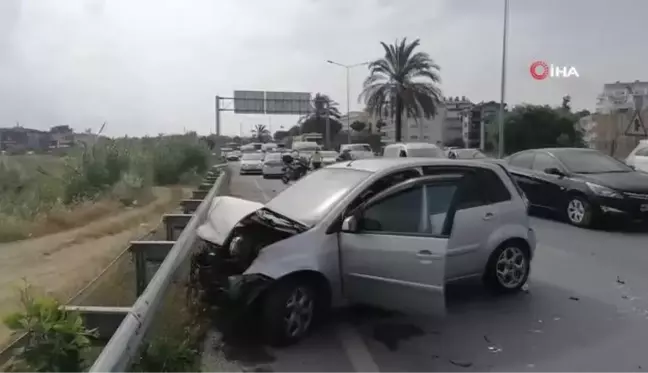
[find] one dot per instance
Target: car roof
(384, 164)
(412, 145)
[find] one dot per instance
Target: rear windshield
(273, 156)
(358, 147)
(252, 157)
(329, 154)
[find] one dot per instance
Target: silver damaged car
(384, 232)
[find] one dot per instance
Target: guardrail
(153, 284)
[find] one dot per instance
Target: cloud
(151, 66)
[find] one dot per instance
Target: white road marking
(355, 349)
(352, 343)
(265, 196)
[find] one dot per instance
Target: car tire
(579, 212)
(289, 312)
(508, 268)
(265, 176)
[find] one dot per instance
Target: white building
(359, 116)
(617, 96)
(445, 127)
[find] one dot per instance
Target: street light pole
(348, 90)
(503, 86)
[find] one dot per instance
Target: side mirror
(554, 171)
(350, 224)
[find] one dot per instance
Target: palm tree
(402, 82)
(261, 132)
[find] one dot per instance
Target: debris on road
(492, 346)
(459, 363)
(574, 298)
(619, 281)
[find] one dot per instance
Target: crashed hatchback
(384, 232)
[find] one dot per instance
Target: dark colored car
(581, 184)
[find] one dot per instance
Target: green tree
(280, 135)
(260, 132)
(404, 82)
(316, 120)
(358, 126)
(294, 131)
(534, 126)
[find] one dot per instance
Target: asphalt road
(586, 309)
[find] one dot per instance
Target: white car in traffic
(272, 165)
(358, 151)
(251, 163)
(638, 158)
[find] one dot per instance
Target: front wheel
(289, 312)
(508, 268)
(580, 212)
(285, 178)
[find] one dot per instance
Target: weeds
(39, 188)
(56, 339)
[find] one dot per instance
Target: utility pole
(327, 114)
(500, 143)
(217, 107)
(348, 90)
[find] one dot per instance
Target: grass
(43, 194)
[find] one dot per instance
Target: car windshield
(309, 199)
(252, 157)
(590, 162)
(329, 154)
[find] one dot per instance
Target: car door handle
(488, 216)
(424, 253)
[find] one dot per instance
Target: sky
(154, 66)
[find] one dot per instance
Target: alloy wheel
(299, 312)
(576, 211)
(511, 267)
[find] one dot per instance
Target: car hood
(250, 162)
(224, 213)
(636, 182)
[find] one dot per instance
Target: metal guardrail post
(190, 205)
(173, 222)
(125, 342)
(199, 194)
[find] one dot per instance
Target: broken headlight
(235, 246)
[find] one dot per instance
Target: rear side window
(522, 160)
(642, 152)
(471, 193)
(496, 191)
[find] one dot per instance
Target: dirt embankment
(62, 263)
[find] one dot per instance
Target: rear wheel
(580, 212)
(289, 312)
(508, 268)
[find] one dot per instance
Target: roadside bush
(57, 340)
(175, 157)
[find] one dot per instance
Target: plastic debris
(537, 331)
(619, 281)
(574, 298)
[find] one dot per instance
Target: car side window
(439, 199)
(472, 192)
(522, 160)
(495, 189)
(382, 184)
(402, 154)
(398, 213)
(543, 161)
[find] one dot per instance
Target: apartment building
(445, 127)
(618, 96)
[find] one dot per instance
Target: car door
(520, 168)
(549, 189)
(477, 217)
(394, 257)
(640, 159)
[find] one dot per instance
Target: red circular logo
(539, 70)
